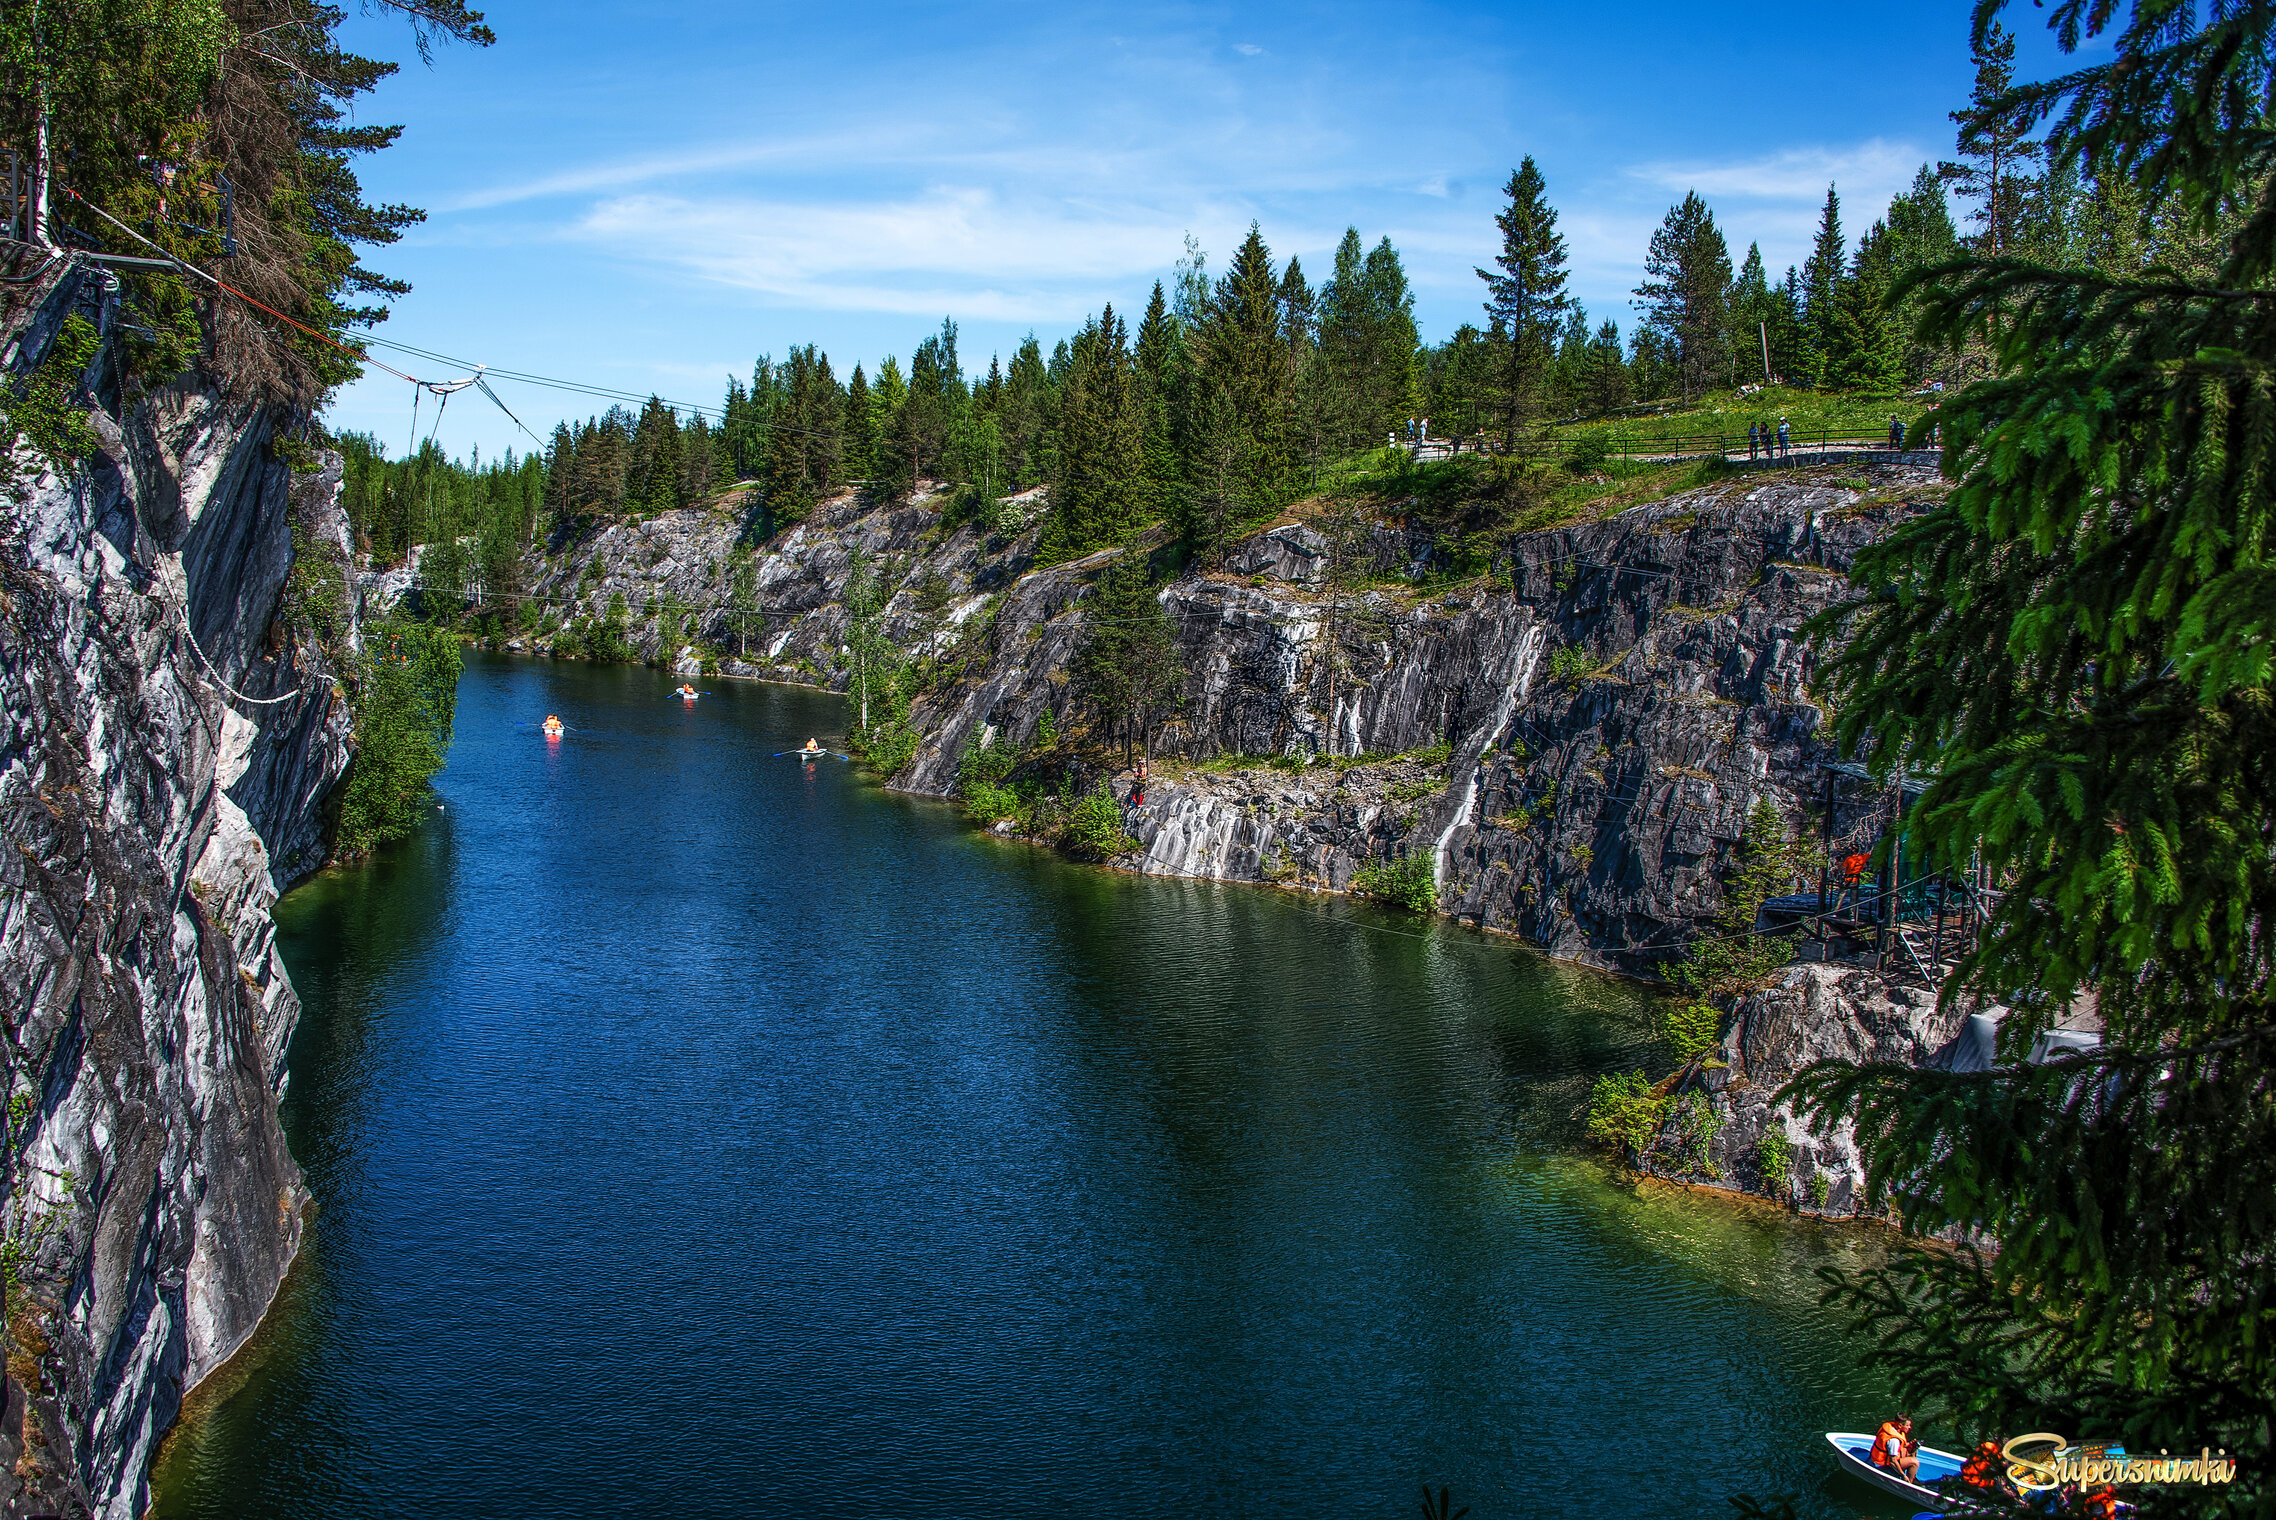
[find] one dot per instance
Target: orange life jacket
(1981, 1470)
(1882, 1439)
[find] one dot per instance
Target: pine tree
(1526, 297)
(1921, 237)
(1164, 379)
(890, 465)
(1028, 409)
(1099, 495)
(859, 428)
(1789, 331)
(1822, 278)
(1368, 346)
(935, 401)
(1344, 346)
(804, 447)
(2072, 648)
(1568, 376)
(560, 470)
(1753, 305)
(1126, 670)
(1461, 375)
(1995, 154)
(1869, 343)
(1244, 350)
(1685, 300)
(1605, 385)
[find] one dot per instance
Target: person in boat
(552, 724)
(1895, 1449)
(2103, 1504)
(812, 748)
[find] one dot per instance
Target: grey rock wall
(1612, 711)
(1612, 708)
(150, 820)
(1817, 1011)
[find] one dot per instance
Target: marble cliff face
(171, 742)
(1612, 708)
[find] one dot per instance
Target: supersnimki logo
(2042, 1460)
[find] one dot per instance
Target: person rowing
(687, 690)
(1895, 1449)
(552, 726)
(811, 748)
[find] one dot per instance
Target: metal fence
(1797, 444)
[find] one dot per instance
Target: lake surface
(701, 1132)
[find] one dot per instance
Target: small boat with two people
(552, 726)
(687, 692)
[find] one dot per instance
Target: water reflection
(700, 1129)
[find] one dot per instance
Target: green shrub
(402, 701)
(988, 802)
(1624, 1113)
(1568, 663)
(43, 407)
(1698, 1124)
(1409, 881)
(1588, 454)
(1689, 1029)
(1820, 1189)
(1094, 826)
(1774, 1159)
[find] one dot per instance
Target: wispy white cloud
(1247, 49)
(618, 174)
(951, 248)
(1869, 172)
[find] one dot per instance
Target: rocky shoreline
(1575, 746)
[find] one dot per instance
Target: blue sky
(648, 196)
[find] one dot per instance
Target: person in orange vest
(1895, 1449)
(1852, 867)
(1982, 1469)
(2102, 1504)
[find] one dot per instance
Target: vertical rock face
(1817, 1011)
(1601, 717)
(1608, 714)
(166, 752)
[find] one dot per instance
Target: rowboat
(1855, 1453)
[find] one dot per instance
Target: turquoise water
(700, 1132)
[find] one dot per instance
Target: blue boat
(1855, 1453)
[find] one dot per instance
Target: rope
(215, 675)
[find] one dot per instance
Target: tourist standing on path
(1785, 439)
(1754, 440)
(1896, 433)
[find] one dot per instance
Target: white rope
(215, 675)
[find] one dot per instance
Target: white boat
(1855, 1452)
